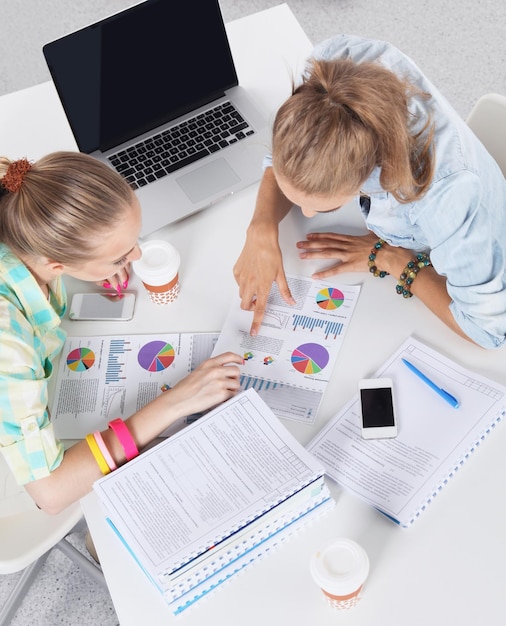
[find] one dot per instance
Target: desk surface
(449, 567)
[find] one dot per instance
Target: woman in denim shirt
(365, 123)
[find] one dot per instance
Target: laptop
(153, 92)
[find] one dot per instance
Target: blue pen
(441, 392)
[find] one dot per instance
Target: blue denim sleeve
(466, 232)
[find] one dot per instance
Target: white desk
(449, 567)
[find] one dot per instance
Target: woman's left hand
(350, 251)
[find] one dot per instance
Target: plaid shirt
(30, 338)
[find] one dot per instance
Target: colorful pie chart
(80, 359)
(310, 358)
(156, 356)
(329, 298)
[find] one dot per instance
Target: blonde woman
(366, 124)
(68, 214)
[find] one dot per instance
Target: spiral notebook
(402, 476)
(257, 540)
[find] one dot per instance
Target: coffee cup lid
(340, 567)
(158, 264)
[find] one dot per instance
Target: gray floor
(460, 45)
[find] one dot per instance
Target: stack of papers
(212, 499)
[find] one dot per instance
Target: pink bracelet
(103, 449)
(124, 437)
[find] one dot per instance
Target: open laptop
(144, 91)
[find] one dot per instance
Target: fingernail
(118, 289)
(125, 284)
(107, 285)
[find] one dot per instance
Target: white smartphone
(102, 307)
(377, 405)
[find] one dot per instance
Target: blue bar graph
(310, 323)
(249, 382)
(115, 360)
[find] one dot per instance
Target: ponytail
(344, 120)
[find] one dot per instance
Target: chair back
(26, 532)
(488, 122)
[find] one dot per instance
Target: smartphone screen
(95, 306)
(377, 407)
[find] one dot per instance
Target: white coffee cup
(158, 269)
(340, 569)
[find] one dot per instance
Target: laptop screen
(143, 67)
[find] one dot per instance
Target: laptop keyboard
(172, 149)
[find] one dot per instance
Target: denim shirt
(461, 220)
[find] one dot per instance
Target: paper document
(290, 361)
(101, 378)
(401, 476)
(211, 490)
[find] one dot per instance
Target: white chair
(488, 122)
(27, 536)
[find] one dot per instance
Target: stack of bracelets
(100, 452)
(403, 287)
(409, 273)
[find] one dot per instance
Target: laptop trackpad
(208, 180)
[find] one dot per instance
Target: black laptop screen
(140, 68)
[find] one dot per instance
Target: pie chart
(329, 298)
(156, 356)
(310, 358)
(80, 359)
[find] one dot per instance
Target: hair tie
(15, 174)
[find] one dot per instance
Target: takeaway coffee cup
(158, 268)
(340, 569)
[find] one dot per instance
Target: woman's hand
(351, 252)
(261, 261)
(259, 264)
(352, 255)
(117, 283)
(211, 383)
